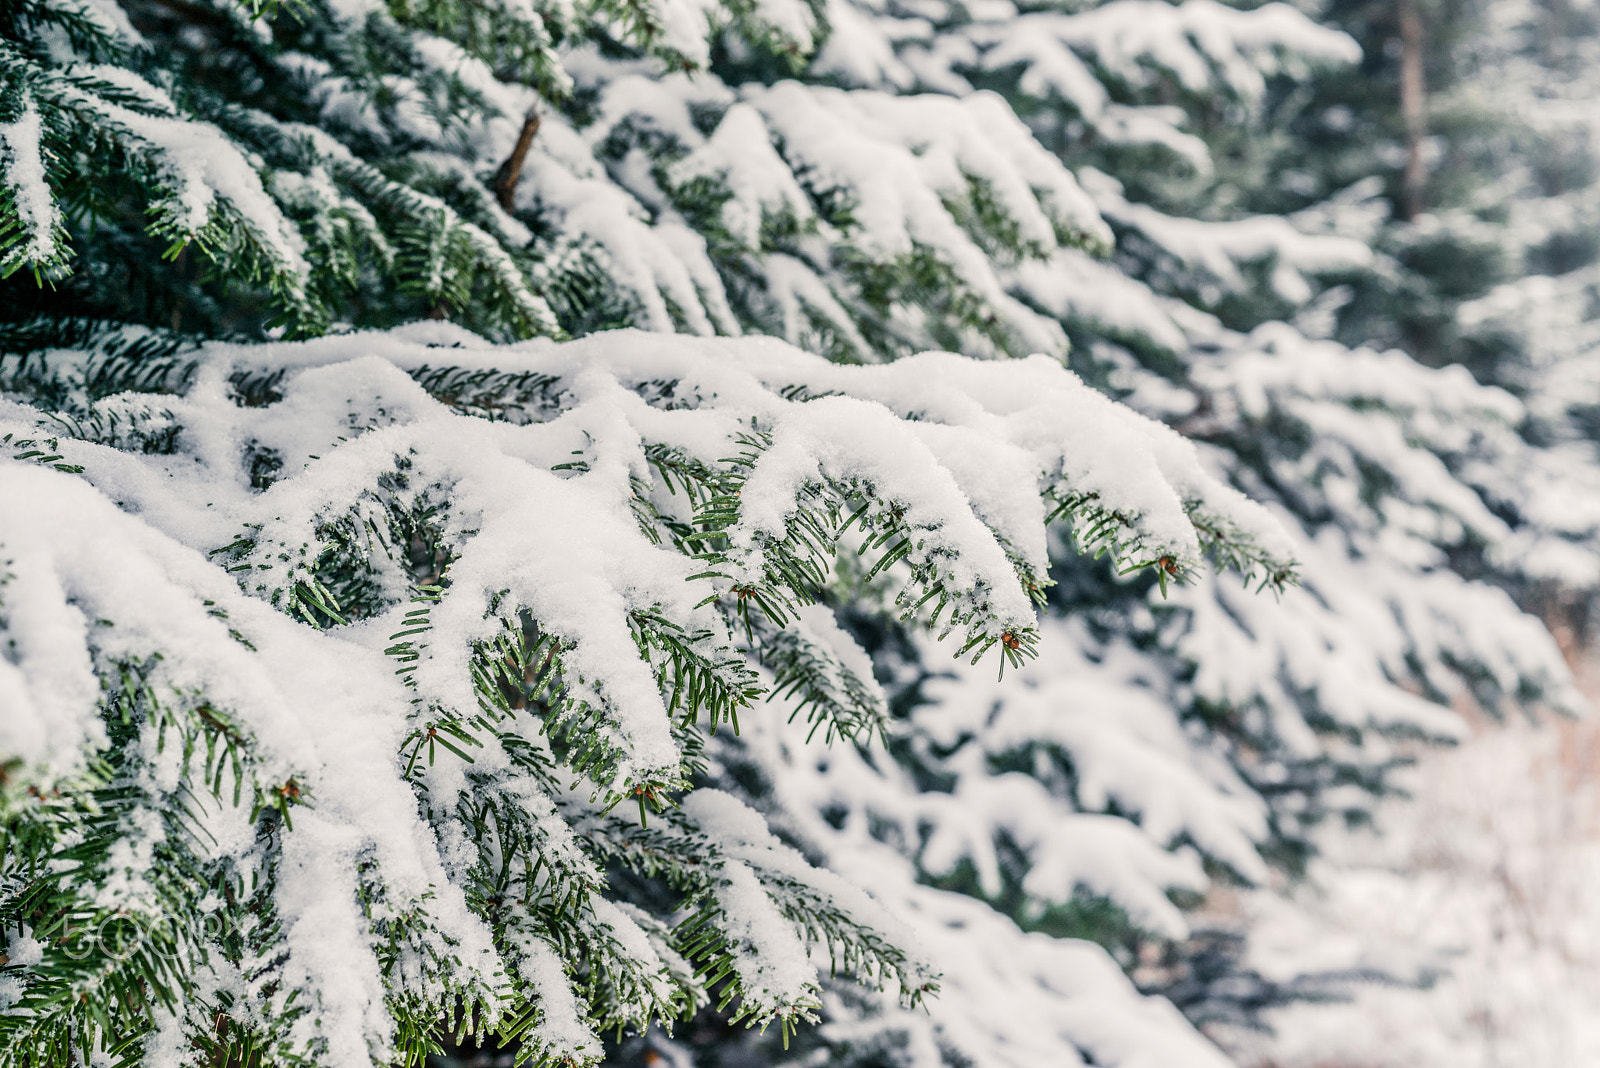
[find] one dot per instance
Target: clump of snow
(25, 176)
(563, 1027)
(24, 950)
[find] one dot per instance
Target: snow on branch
(1201, 45)
(433, 609)
(1209, 258)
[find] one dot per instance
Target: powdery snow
(25, 178)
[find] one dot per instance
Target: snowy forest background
(799, 532)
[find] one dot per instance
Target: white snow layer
(24, 173)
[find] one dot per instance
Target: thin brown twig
(510, 172)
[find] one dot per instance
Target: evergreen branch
(44, 451)
(517, 396)
(831, 694)
(1099, 531)
(793, 569)
(112, 959)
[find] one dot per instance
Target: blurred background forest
(1479, 888)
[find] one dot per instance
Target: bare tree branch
(510, 172)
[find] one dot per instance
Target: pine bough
(343, 678)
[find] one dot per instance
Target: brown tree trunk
(1413, 107)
